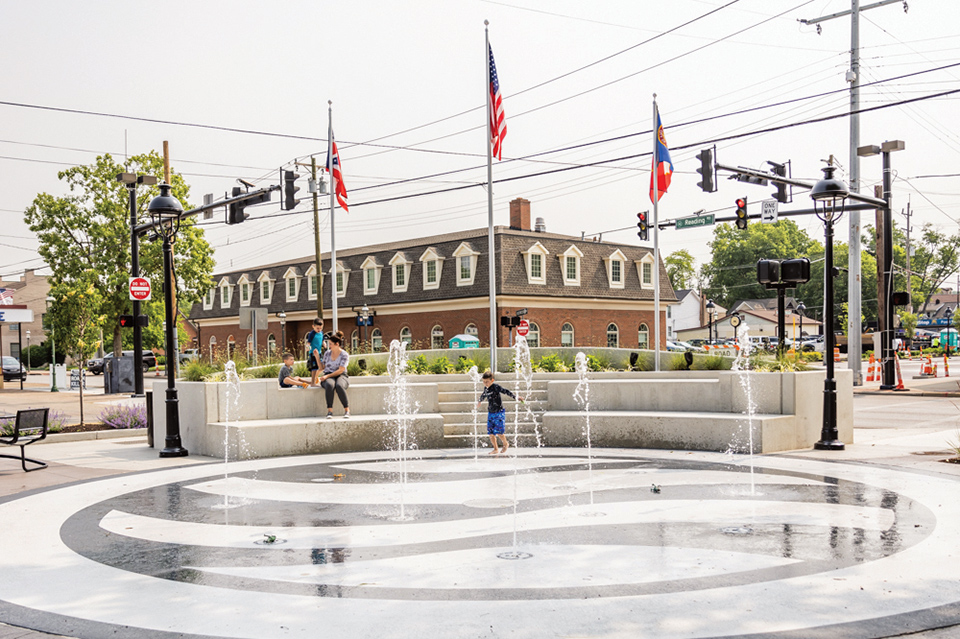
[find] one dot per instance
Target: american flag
(337, 178)
(498, 121)
(6, 296)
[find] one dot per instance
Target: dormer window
(313, 283)
(401, 272)
(535, 260)
(291, 284)
(570, 266)
(371, 276)
(645, 271)
(246, 290)
(432, 263)
(343, 275)
(266, 288)
(208, 299)
(226, 290)
(466, 264)
(615, 270)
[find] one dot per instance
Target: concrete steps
(457, 400)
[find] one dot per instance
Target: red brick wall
(590, 328)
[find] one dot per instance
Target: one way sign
(768, 211)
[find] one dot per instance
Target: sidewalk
(36, 394)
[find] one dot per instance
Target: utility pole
(909, 272)
(854, 329)
(316, 235)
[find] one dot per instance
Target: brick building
(29, 291)
(578, 292)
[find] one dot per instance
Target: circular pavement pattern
(541, 543)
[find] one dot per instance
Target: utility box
(118, 375)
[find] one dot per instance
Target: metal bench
(30, 426)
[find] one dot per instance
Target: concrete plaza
(549, 542)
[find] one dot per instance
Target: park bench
(29, 426)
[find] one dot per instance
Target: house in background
(30, 290)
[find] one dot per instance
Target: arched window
(406, 336)
(613, 336)
(376, 340)
(213, 347)
(271, 345)
(566, 335)
(231, 346)
(533, 337)
(643, 337)
(355, 341)
(436, 337)
(471, 329)
(250, 346)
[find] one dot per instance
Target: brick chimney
(520, 214)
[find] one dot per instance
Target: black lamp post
(801, 307)
(365, 316)
(829, 195)
(282, 316)
(131, 180)
(53, 348)
(949, 315)
(710, 307)
(165, 211)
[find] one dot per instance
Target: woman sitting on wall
(334, 378)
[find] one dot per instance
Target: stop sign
(139, 288)
(524, 328)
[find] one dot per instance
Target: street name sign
(695, 221)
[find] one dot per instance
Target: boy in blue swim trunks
(496, 415)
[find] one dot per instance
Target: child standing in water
(496, 415)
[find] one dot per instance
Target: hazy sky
(407, 84)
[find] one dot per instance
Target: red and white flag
(6, 296)
(498, 120)
(337, 175)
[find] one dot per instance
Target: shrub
(353, 369)
(264, 372)
(377, 367)
(418, 365)
(813, 356)
(196, 370)
(464, 363)
(55, 422)
(121, 416)
(440, 366)
(676, 362)
(300, 370)
(551, 364)
(711, 363)
(596, 363)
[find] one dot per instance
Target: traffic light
(126, 321)
(235, 213)
(780, 170)
(290, 189)
(709, 182)
(741, 213)
(642, 225)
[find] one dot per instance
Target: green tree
(731, 274)
(909, 323)
(75, 317)
(812, 292)
(89, 230)
(680, 269)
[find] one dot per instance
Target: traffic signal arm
(252, 195)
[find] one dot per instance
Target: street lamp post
(165, 210)
(949, 315)
(710, 307)
(28, 352)
(365, 316)
(53, 349)
(282, 316)
(801, 307)
(829, 195)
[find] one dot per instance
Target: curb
(909, 393)
(117, 433)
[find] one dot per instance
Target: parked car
(13, 369)
(679, 347)
(814, 343)
(189, 355)
(96, 364)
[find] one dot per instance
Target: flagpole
(490, 243)
(655, 181)
(333, 242)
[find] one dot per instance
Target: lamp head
(710, 305)
(801, 307)
(165, 206)
(829, 195)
